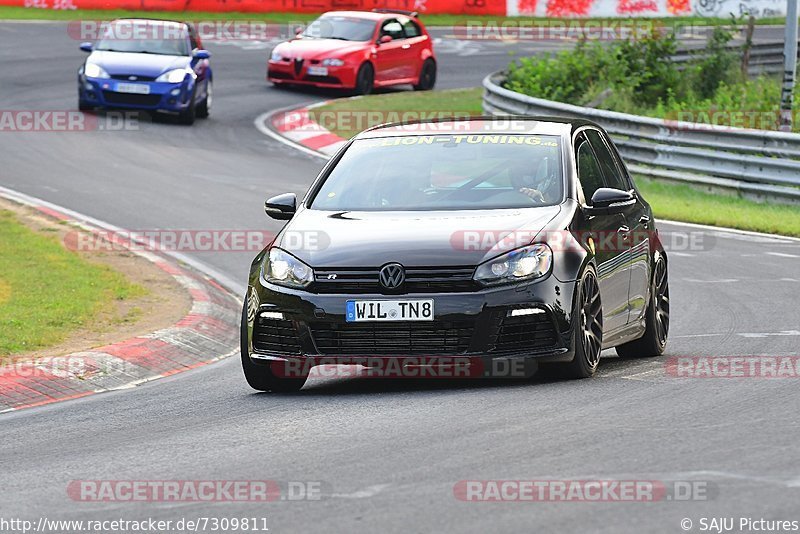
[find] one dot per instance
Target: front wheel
(365, 79)
(261, 377)
(654, 340)
(204, 108)
(427, 76)
(588, 337)
(188, 115)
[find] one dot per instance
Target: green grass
(47, 291)
(684, 203)
(669, 201)
(347, 117)
(23, 13)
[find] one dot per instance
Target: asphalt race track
(388, 453)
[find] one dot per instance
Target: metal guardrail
(765, 57)
(755, 163)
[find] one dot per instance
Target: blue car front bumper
(153, 96)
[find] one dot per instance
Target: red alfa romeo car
(357, 50)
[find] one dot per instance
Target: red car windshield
(343, 28)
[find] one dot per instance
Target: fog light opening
(272, 315)
(524, 311)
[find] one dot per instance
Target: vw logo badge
(392, 275)
(132, 78)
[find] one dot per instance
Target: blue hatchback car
(152, 65)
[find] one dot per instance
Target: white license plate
(137, 88)
(389, 310)
(317, 71)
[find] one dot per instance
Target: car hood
(153, 65)
(446, 238)
(318, 48)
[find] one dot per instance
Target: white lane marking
(770, 334)
(681, 254)
(369, 491)
(783, 255)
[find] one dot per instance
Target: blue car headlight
(93, 70)
(175, 75)
(526, 263)
(281, 268)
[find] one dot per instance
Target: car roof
(484, 124)
(366, 15)
(156, 22)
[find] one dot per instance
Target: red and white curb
(210, 332)
(296, 128)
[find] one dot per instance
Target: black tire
(261, 377)
(82, 106)
(204, 107)
(654, 340)
(588, 329)
(188, 115)
(427, 76)
(365, 79)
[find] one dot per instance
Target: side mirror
(281, 207)
(607, 201)
(86, 47)
(385, 39)
(201, 54)
(298, 30)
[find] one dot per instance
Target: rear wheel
(427, 76)
(365, 79)
(588, 337)
(654, 340)
(204, 108)
(261, 377)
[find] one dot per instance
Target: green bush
(638, 76)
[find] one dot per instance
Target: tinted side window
(589, 173)
(393, 28)
(411, 28)
(614, 175)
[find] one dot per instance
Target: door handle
(645, 220)
(623, 229)
(406, 46)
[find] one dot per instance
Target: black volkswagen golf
(477, 240)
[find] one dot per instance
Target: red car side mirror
(385, 39)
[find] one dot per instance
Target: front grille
(525, 333)
(275, 336)
(131, 99)
(409, 338)
(137, 78)
(418, 280)
(298, 66)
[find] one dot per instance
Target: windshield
(344, 28)
(445, 172)
(145, 38)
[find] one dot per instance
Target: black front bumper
(466, 325)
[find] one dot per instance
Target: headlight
(283, 269)
(94, 71)
(275, 56)
(533, 261)
(174, 76)
(333, 62)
